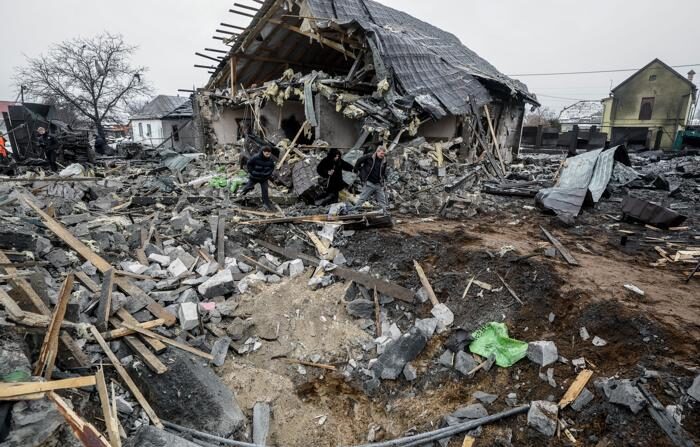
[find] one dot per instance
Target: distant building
(166, 121)
(650, 107)
(583, 114)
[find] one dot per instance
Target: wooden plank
(387, 288)
(575, 388)
(673, 430)
(49, 349)
(85, 432)
(107, 413)
(468, 441)
(426, 284)
(16, 314)
(141, 256)
(88, 282)
(142, 351)
(104, 308)
(558, 245)
(156, 345)
(493, 136)
(101, 264)
(291, 145)
(169, 341)
(12, 390)
(509, 289)
(220, 235)
(123, 332)
(126, 378)
(312, 218)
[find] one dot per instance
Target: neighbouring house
(164, 121)
(650, 107)
(353, 74)
(584, 114)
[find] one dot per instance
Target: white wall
(157, 136)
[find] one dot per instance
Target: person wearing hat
(372, 170)
(49, 146)
(260, 169)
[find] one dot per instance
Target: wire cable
(619, 70)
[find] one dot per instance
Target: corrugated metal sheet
(161, 106)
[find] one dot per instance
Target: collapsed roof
(164, 106)
(419, 60)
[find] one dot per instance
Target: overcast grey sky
(514, 35)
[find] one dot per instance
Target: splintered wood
(576, 387)
(49, 349)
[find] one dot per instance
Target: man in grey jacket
(372, 171)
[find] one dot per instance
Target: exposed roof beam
(241, 13)
(246, 7)
(329, 43)
(204, 66)
(205, 56)
(214, 50)
(226, 32)
(274, 60)
(242, 28)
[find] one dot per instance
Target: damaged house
(352, 73)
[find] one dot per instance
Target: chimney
(691, 75)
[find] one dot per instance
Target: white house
(165, 121)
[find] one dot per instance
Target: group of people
(371, 168)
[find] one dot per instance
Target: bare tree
(542, 116)
(93, 76)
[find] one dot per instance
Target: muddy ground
(658, 332)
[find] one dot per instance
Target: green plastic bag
(241, 178)
(492, 338)
(16, 376)
(218, 182)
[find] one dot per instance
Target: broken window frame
(646, 108)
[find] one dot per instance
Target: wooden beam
(101, 264)
(576, 387)
(242, 28)
(49, 349)
(207, 57)
(426, 283)
(242, 13)
(126, 378)
(234, 75)
(322, 40)
(108, 415)
(240, 5)
(292, 144)
(230, 33)
(156, 345)
(123, 332)
(208, 67)
(214, 50)
(142, 351)
(18, 389)
(88, 282)
(559, 246)
(85, 432)
(169, 341)
(104, 308)
(493, 135)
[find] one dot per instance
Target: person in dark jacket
(331, 168)
(100, 144)
(372, 171)
(260, 169)
(49, 147)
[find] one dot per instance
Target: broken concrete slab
(221, 284)
(410, 372)
(473, 411)
(542, 352)
(485, 398)
(177, 268)
(261, 423)
(189, 394)
(188, 315)
(623, 392)
(543, 417)
(694, 390)
(37, 423)
(444, 316)
(219, 350)
(150, 436)
(582, 400)
(163, 260)
(427, 326)
(447, 358)
(361, 308)
(394, 358)
(465, 363)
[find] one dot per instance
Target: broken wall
(444, 128)
(334, 128)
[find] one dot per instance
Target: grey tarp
(428, 63)
(585, 175)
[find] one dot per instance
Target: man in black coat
(49, 147)
(100, 144)
(260, 169)
(372, 171)
(331, 168)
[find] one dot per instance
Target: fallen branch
(511, 291)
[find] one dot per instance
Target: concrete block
(163, 260)
(582, 400)
(410, 372)
(188, 316)
(465, 363)
(542, 416)
(542, 352)
(177, 268)
(261, 423)
(473, 411)
(394, 358)
(219, 350)
(694, 390)
(427, 326)
(221, 284)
